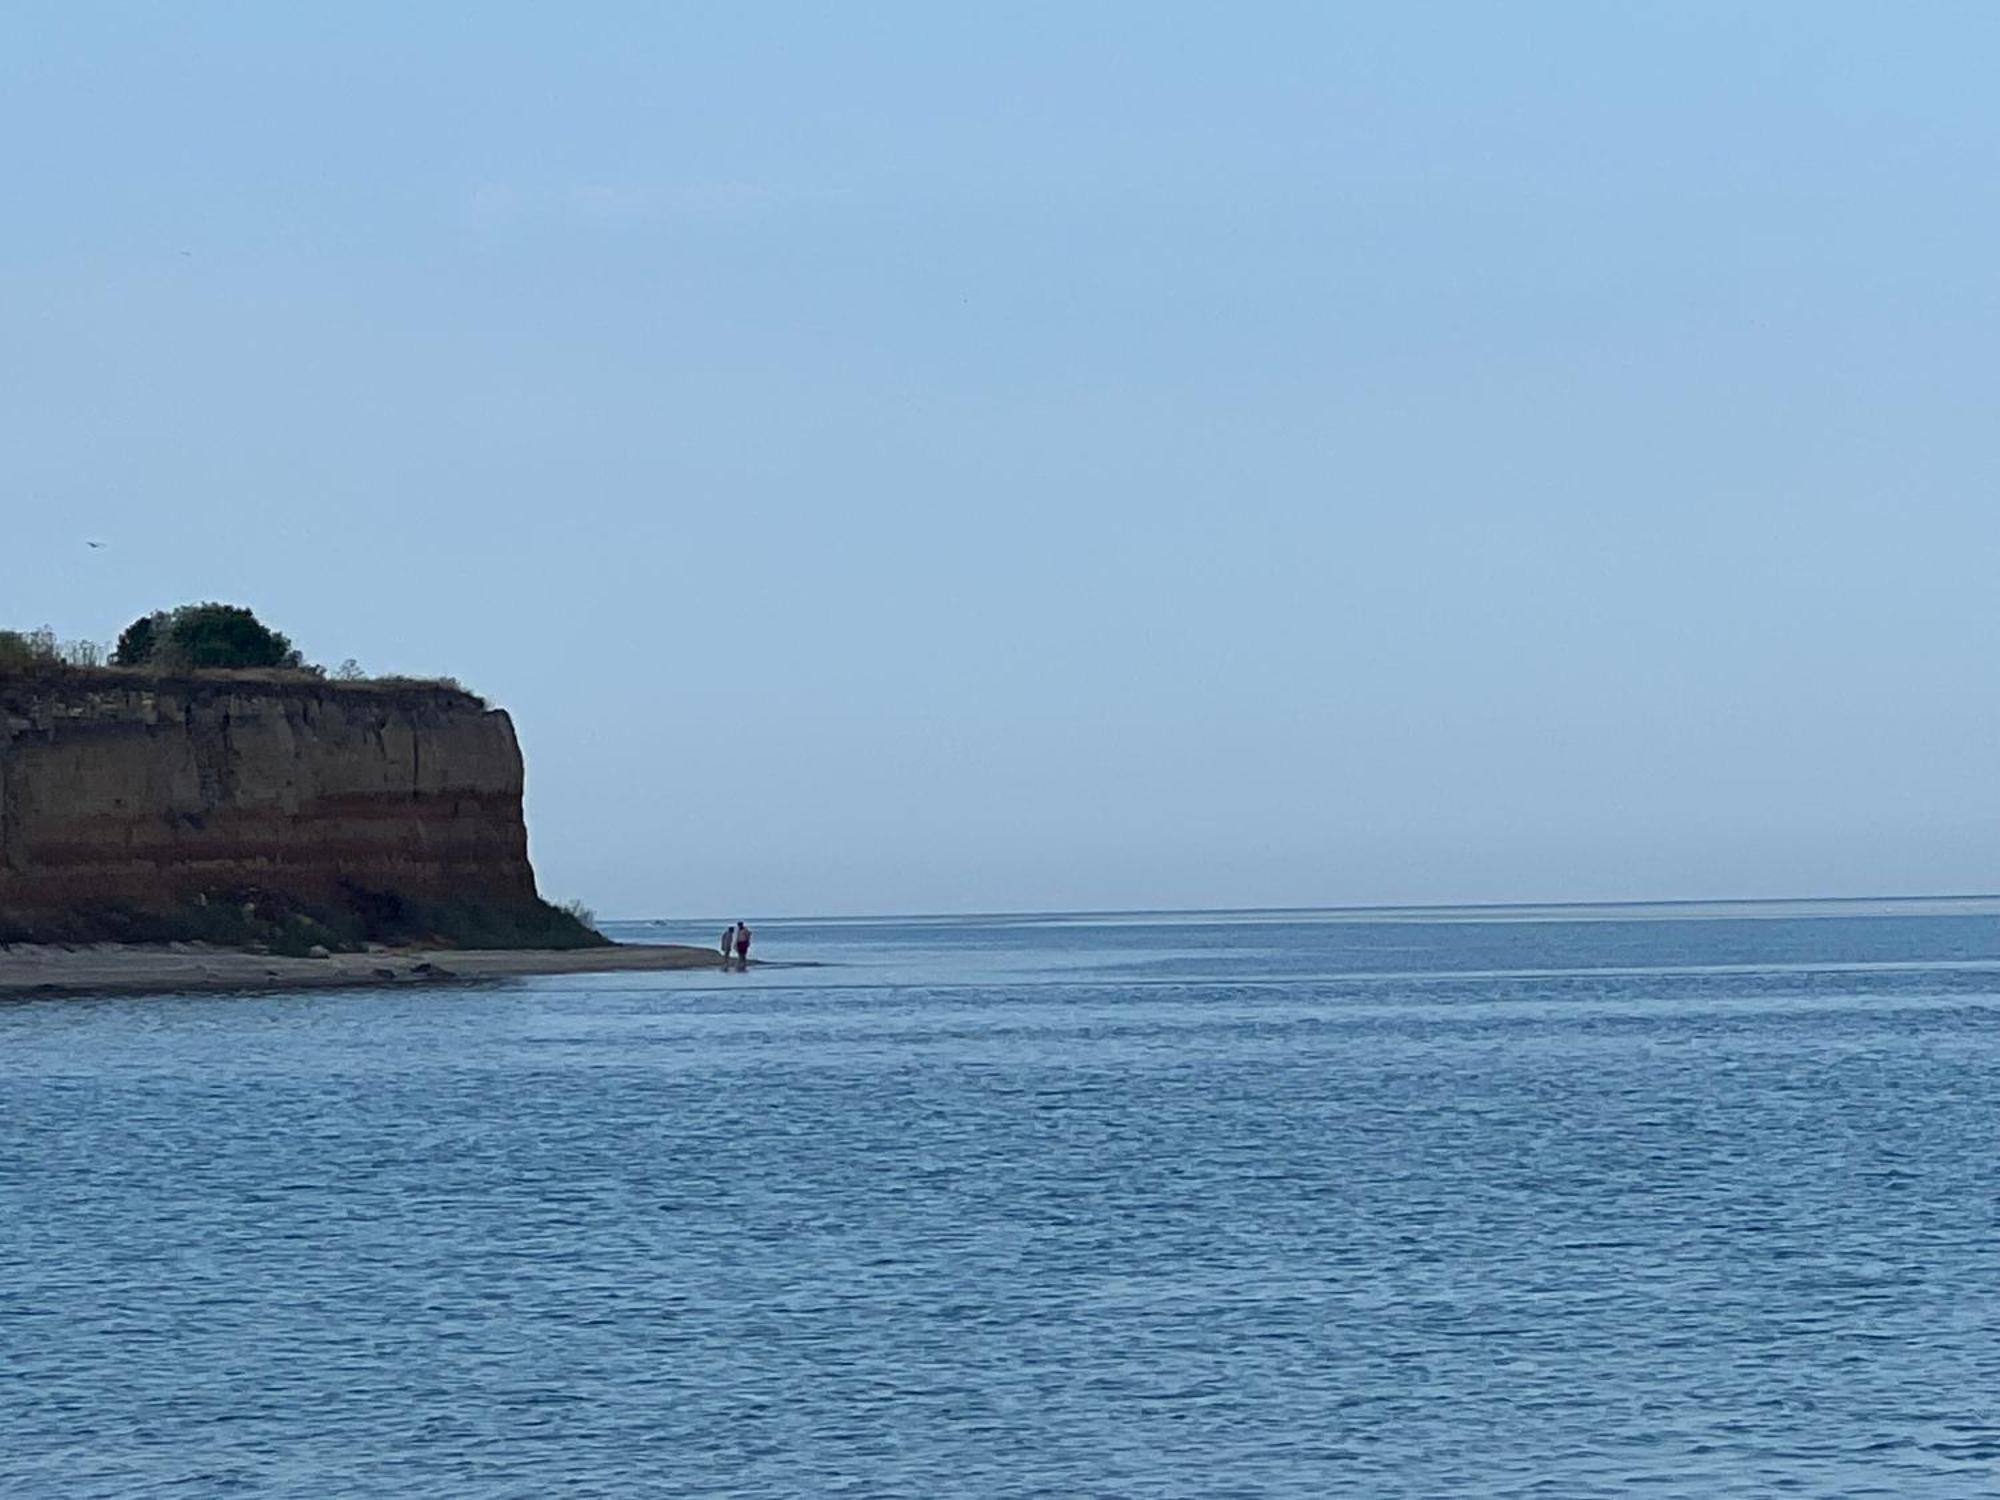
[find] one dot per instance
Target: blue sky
(911, 458)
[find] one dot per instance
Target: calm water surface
(1680, 1202)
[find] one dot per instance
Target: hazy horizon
(1694, 908)
(1130, 459)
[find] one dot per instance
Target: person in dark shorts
(728, 942)
(743, 945)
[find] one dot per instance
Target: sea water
(1675, 1201)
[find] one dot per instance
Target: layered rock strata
(128, 794)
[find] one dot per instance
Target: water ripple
(1147, 1210)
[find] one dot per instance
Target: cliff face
(144, 796)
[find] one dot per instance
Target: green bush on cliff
(16, 651)
(204, 635)
(138, 641)
(40, 651)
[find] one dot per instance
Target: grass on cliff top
(36, 657)
(63, 676)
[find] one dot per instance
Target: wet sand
(181, 968)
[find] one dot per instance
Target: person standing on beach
(743, 945)
(728, 942)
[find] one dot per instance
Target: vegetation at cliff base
(272, 922)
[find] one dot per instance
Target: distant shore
(28, 970)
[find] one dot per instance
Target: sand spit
(180, 968)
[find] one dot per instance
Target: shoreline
(31, 971)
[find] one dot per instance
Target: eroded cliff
(364, 805)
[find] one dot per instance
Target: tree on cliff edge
(204, 635)
(136, 644)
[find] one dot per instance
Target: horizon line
(1359, 909)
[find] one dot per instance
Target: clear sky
(930, 457)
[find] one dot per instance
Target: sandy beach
(179, 968)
